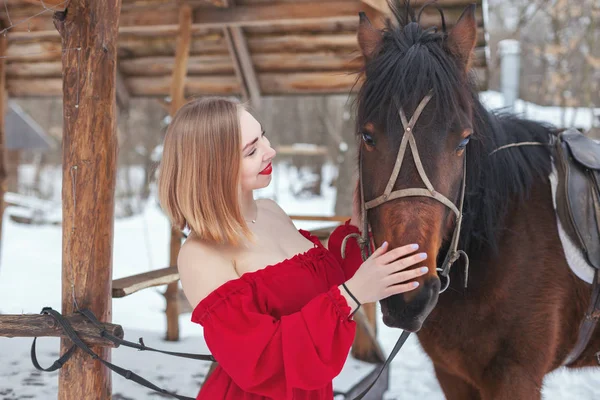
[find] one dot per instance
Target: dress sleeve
(271, 357)
(353, 259)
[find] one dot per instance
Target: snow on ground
(30, 279)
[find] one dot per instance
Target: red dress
(282, 332)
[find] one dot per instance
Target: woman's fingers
(404, 276)
(397, 253)
(380, 250)
(406, 262)
(397, 289)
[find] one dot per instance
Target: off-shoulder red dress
(282, 332)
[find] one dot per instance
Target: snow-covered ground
(30, 279)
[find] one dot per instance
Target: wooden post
(13, 160)
(182, 53)
(3, 173)
(88, 29)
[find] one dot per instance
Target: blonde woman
(276, 306)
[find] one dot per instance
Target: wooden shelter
(251, 48)
(99, 54)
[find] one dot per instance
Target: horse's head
(405, 63)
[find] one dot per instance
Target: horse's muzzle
(409, 316)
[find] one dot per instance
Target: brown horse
(518, 318)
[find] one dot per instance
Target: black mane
(410, 63)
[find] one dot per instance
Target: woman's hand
(383, 274)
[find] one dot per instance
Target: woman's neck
(248, 206)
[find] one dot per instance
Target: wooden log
(125, 286)
(164, 22)
(53, 5)
(237, 66)
(37, 325)
(273, 84)
(89, 178)
(298, 62)
(123, 95)
(3, 151)
(265, 40)
(247, 67)
(178, 99)
(13, 158)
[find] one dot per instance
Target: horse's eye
(368, 139)
(464, 143)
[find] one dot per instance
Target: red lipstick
(267, 170)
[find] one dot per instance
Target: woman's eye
(368, 139)
(252, 153)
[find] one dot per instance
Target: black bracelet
(353, 298)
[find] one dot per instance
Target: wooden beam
(240, 57)
(88, 181)
(3, 151)
(37, 325)
(55, 5)
(165, 21)
(272, 84)
(278, 13)
(122, 91)
(125, 286)
(247, 68)
(182, 55)
(158, 22)
(217, 64)
(237, 65)
(263, 15)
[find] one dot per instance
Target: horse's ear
(369, 38)
(462, 38)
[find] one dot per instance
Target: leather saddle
(578, 195)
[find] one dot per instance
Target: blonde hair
(198, 179)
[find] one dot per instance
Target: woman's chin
(264, 181)
(260, 183)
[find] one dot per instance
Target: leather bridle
(408, 139)
(453, 253)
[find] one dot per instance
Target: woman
(276, 306)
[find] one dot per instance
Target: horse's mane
(411, 62)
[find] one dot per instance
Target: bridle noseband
(408, 139)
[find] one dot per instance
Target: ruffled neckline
(243, 282)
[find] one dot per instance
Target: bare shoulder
(202, 269)
(274, 208)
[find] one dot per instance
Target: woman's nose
(270, 153)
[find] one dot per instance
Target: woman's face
(257, 154)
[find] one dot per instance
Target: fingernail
(414, 246)
(415, 284)
(384, 244)
(423, 269)
(423, 256)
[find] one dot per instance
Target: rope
(127, 374)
